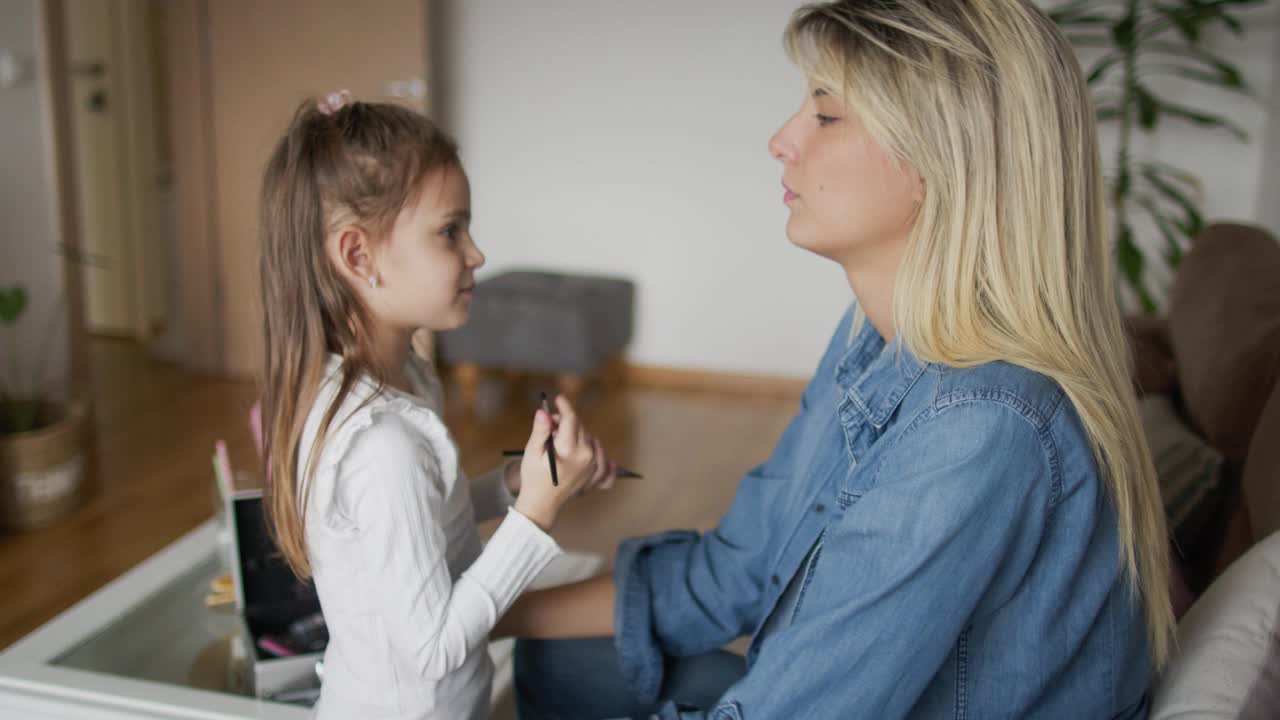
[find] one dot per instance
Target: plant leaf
(1123, 183)
(1194, 220)
(1123, 32)
(1229, 73)
(1227, 77)
(1084, 20)
(1085, 41)
(1173, 246)
(1107, 113)
(1132, 264)
(1182, 18)
(1100, 68)
(1204, 119)
(1172, 173)
(1148, 108)
(13, 301)
(1064, 12)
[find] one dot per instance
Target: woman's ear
(351, 253)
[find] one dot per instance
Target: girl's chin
(455, 320)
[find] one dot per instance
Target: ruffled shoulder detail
(359, 413)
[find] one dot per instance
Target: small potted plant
(42, 438)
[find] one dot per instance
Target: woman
(962, 520)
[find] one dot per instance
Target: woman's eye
(824, 120)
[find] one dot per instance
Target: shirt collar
(875, 376)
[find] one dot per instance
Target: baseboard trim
(669, 378)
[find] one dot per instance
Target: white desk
(130, 650)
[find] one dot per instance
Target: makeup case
(271, 600)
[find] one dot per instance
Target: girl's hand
(606, 472)
(539, 500)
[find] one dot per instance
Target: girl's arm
(577, 610)
(393, 488)
(395, 492)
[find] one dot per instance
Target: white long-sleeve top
(408, 592)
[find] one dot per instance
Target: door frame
(184, 47)
(51, 41)
(188, 107)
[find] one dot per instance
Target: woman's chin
(807, 241)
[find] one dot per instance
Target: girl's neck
(391, 350)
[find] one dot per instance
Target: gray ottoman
(530, 321)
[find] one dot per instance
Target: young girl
(365, 222)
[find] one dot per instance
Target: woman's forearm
(578, 610)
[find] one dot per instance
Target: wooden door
(95, 87)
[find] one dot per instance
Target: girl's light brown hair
(1009, 258)
(359, 165)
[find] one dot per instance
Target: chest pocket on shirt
(850, 491)
(857, 437)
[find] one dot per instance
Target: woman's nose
(780, 145)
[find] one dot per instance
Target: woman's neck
(872, 280)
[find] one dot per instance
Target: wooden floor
(155, 426)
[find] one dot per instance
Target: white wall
(622, 137)
(28, 235)
(630, 138)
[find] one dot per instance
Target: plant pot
(42, 471)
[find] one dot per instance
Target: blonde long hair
(361, 164)
(1009, 257)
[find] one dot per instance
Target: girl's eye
(824, 120)
(450, 232)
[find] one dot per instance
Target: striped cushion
(1189, 470)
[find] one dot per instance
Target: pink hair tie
(334, 101)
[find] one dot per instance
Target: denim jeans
(582, 680)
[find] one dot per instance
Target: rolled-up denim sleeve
(957, 509)
(682, 593)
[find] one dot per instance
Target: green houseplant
(42, 440)
(1135, 42)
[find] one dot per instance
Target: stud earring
(373, 282)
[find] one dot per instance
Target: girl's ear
(351, 253)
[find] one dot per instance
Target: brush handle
(622, 472)
(550, 446)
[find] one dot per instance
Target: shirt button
(819, 508)
(775, 580)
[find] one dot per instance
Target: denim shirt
(948, 541)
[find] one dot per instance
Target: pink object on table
(255, 425)
(274, 647)
(223, 461)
